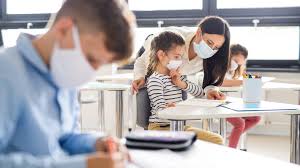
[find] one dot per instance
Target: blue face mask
(203, 50)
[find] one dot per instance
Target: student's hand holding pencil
(110, 154)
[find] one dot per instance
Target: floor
(277, 147)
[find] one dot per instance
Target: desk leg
(243, 141)
(130, 112)
(101, 110)
(222, 129)
(176, 125)
(207, 124)
(295, 137)
(298, 97)
(119, 114)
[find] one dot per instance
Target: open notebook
(262, 106)
(201, 102)
(153, 158)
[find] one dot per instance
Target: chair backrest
(144, 108)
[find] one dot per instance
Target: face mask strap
(76, 39)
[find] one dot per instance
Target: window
(10, 36)
(227, 4)
(263, 43)
(150, 5)
(268, 43)
(274, 40)
(32, 6)
(140, 34)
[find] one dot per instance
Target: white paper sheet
(153, 159)
(201, 102)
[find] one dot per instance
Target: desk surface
(105, 86)
(198, 112)
(267, 86)
(122, 77)
(206, 155)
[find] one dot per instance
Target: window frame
(23, 17)
(286, 16)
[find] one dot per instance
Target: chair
(144, 108)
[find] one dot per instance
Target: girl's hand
(171, 104)
(175, 77)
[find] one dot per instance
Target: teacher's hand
(137, 84)
(215, 95)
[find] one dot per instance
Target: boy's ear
(62, 26)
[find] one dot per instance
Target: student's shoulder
(11, 64)
(155, 78)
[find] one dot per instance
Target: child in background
(165, 84)
(237, 65)
(238, 57)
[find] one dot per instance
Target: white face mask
(174, 64)
(203, 50)
(69, 67)
(234, 65)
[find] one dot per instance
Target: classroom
(149, 83)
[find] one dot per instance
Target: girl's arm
(192, 88)
(230, 83)
(155, 93)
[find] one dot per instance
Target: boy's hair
(236, 49)
(106, 16)
(165, 41)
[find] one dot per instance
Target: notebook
(154, 158)
(201, 102)
(262, 106)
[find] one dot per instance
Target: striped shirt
(162, 91)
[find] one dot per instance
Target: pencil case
(160, 140)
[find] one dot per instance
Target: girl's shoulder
(157, 77)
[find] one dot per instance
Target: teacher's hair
(216, 66)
